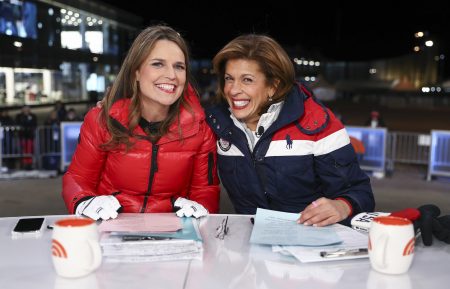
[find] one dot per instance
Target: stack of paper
(307, 243)
(115, 249)
(150, 237)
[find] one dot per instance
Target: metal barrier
(370, 146)
(70, 132)
(382, 150)
(38, 149)
(48, 140)
(439, 162)
(18, 144)
(407, 148)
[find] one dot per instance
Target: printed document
(280, 228)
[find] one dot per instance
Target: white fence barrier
(439, 161)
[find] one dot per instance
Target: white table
(228, 263)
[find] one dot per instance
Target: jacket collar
(292, 110)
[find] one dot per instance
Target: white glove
(101, 207)
(189, 208)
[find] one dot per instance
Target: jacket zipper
(153, 169)
(252, 157)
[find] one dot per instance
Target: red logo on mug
(58, 249)
(409, 248)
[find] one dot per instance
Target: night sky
(346, 30)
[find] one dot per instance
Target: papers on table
(280, 228)
(189, 231)
(114, 249)
(306, 243)
(128, 222)
(126, 241)
(351, 240)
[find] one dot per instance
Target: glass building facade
(60, 50)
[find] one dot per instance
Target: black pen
(344, 253)
(144, 238)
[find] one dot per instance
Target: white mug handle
(96, 254)
(379, 251)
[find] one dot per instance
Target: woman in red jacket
(148, 149)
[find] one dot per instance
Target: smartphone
(28, 226)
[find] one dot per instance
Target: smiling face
(162, 77)
(246, 90)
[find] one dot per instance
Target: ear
(273, 88)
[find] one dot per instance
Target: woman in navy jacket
(278, 148)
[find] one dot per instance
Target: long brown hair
(126, 85)
(272, 59)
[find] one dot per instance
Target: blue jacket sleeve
(341, 176)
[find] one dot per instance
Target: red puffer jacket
(145, 178)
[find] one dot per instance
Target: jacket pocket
(344, 163)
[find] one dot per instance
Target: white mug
(76, 250)
(391, 244)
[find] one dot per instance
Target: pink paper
(154, 222)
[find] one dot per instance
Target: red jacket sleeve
(83, 174)
(204, 187)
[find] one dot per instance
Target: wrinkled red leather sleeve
(83, 174)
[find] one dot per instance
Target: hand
(323, 212)
(189, 208)
(101, 207)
